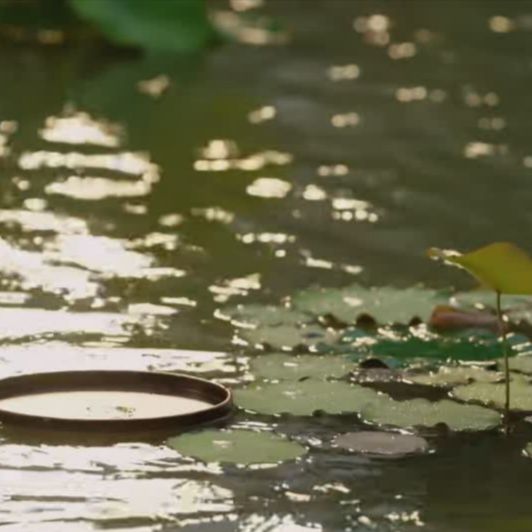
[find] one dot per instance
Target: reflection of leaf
(237, 446)
(289, 367)
(157, 25)
(420, 412)
(502, 266)
(306, 397)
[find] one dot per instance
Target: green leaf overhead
(181, 25)
(501, 266)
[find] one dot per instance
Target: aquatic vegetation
(384, 304)
(424, 413)
(449, 376)
(388, 444)
(304, 398)
(296, 367)
(175, 26)
(244, 447)
(182, 26)
(505, 269)
(494, 394)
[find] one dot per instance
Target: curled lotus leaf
(502, 266)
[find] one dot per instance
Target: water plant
(504, 268)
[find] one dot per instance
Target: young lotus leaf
(494, 394)
(386, 304)
(420, 412)
(237, 446)
(290, 367)
(382, 443)
(288, 336)
(305, 397)
(449, 376)
(502, 266)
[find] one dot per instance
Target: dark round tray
(112, 401)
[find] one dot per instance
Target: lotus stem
(505, 350)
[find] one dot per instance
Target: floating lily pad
(494, 394)
(402, 344)
(295, 367)
(288, 336)
(265, 315)
(454, 375)
(386, 304)
(420, 412)
(523, 364)
(306, 397)
(382, 443)
(237, 446)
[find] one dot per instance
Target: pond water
(127, 221)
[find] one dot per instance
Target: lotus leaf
(305, 397)
(290, 367)
(382, 443)
(265, 315)
(386, 304)
(501, 266)
(288, 336)
(237, 446)
(454, 375)
(494, 394)
(420, 412)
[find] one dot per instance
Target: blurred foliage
(171, 25)
(176, 25)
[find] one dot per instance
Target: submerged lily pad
(494, 394)
(386, 304)
(295, 367)
(288, 336)
(455, 375)
(237, 446)
(420, 412)
(306, 397)
(382, 443)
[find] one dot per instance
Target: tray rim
(221, 400)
